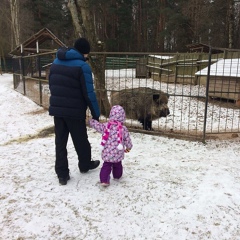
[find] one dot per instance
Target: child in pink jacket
(115, 142)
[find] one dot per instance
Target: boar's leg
(147, 124)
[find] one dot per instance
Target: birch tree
(15, 24)
(83, 21)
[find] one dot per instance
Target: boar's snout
(164, 112)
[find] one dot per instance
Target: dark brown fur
(142, 104)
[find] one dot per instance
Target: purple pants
(107, 168)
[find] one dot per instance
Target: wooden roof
(223, 68)
(203, 48)
(30, 45)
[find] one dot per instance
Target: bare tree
(193, 10)
(83, 22)
(230, 23)
(5, 33)
(75, 17)
(14, 11)
(237, 29)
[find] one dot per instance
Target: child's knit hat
(116, 120)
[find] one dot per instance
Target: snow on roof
(224, 67)
(161, 57)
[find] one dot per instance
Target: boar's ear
(155, 97)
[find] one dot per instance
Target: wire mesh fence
(190, 95)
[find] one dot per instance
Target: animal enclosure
(193, 113)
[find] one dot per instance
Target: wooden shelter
(203, 48)
(31, 62)
(44, 38)
(224, 79)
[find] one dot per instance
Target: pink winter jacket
(111, 153)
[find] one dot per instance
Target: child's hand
(127, 150)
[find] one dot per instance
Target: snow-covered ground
(171, 189)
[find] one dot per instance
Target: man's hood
(69, 54)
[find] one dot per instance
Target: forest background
(124, 25)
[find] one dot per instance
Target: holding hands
(127, 150)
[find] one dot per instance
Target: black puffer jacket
(71, 86)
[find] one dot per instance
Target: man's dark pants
(78, 131)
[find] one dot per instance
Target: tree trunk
(84, 24)
(75, 17)
(14, 8)
(230, 23)
(161, 27)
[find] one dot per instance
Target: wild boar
(142, 104)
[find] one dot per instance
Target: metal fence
(203, 89)
(5, 64)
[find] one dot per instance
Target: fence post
(23, 73)
(1, 65)
(176, 69)
(207, 92)
(40, 79)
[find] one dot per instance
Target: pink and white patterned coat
(110, 152)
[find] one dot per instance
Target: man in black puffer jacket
(72, 92)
